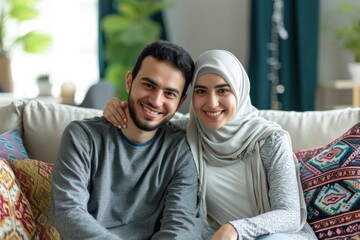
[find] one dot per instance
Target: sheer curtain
(74, 55)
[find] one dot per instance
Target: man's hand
(114, 112)
(225, 232)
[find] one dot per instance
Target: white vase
(44, 88)
(354, 70)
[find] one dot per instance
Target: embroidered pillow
(11, 146)
(16, 220)
(34, 178)
(330, 177)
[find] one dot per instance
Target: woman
(248, 173)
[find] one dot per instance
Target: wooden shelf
(345, 85)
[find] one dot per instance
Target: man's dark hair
(169, 52)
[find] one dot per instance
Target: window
(73, 56)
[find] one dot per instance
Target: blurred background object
(310, 59)
(68, 93)
(128, 26)
(98, 94)
(17, 14)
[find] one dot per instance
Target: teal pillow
(11, 146)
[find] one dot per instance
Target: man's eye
(148, 85)
(171, 95)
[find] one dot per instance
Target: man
(135, 183)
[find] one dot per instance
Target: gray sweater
(106, 187)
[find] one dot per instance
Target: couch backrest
(314, 128)
(41, 125)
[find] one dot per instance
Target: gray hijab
(239, 139)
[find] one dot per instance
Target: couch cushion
(331, 182)
(11, 146)
(44, 124)
(11, 116)
(34, 178)
(314, 128)
(16, 220)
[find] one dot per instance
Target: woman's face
(213, 101)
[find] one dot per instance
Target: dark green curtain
(106, 7)
(297, 54)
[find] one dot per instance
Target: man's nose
(156, 99)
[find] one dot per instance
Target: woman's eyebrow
(222, 85)
(217, 86)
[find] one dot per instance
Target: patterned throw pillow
(16, 220)
(34, 178)
(11, 146)
(330, 177)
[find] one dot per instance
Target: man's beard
(143, 125)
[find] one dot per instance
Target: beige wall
(200, 25)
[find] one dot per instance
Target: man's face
(155, 93)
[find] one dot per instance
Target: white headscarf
(238, 139)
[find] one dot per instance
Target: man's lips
(150, 112)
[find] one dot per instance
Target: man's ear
(128, 81)
(182, 100)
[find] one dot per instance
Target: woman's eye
(200, 91)
(223, 91)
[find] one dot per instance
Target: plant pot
(44, 88)
(6, 82)
(354, 70)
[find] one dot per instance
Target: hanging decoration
(278, 31)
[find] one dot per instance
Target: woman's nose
(213, 100)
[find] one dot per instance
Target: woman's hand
(114, 112)
(225, 232)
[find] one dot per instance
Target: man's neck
(133, 133)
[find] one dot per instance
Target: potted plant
(17, 12)
(126, 34)
(349, 35)
(44, 84)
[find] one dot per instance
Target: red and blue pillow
(330, 177)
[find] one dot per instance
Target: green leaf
(23, 13)
(129, 10)
(34, 42)
(157, 7)
(114, 23)
(141, 32)
(349, 32)
(22, 2)
(116, 75)
(127, 33)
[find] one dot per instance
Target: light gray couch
(41, 124)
